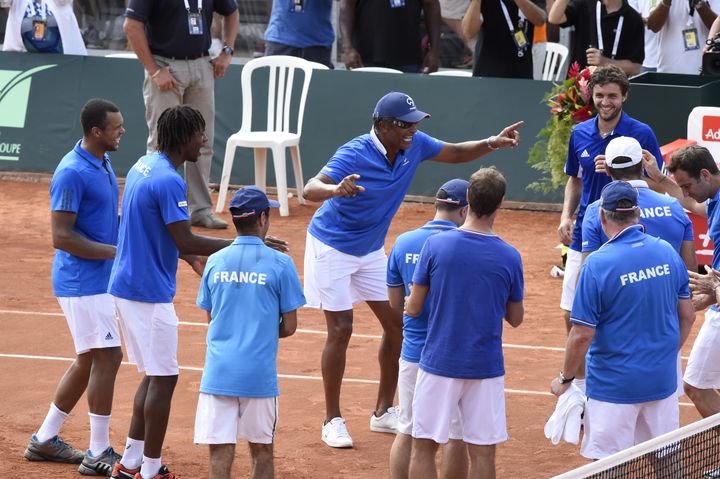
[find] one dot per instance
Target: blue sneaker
(54, 449)
(101, 465)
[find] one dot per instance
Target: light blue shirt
(246, 287)
(358, 226)
(628, 291)
(713, 218)
(86, 186)
(301, 28)
(146, 260)
(401, 265)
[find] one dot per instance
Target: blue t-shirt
(86, 186)
(146, 260)
(628, 291)
(246, 287)
(713, 218)
(357, 226)
(309, 26)
(401, 265)
(661, 215)
(585, 144)
(464, 338)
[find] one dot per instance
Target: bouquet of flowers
(570, 102)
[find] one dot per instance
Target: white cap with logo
(623, 152)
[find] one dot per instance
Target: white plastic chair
(278, 135)
(452, 73)
(122, 55)
(376, 70)
(553, 66)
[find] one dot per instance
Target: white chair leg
(225, 177)
(297, 168)
(281, 178)
(261, 168)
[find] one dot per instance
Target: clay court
(36, 348)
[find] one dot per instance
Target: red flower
(584, 113)
(574, 70)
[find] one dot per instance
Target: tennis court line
(284, 376)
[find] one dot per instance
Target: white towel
(564, 423)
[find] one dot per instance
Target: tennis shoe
(121, 472)
(163, 473)
(101, 465)
(384, 423)
(335, 433)
(54, 449)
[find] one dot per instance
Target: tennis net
(691, 452)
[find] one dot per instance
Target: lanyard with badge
(39, 19)
(618, 31)
(297, 6)
(518, 34)
(690, 34)
(195, 21)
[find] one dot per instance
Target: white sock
(99, 433)
(53, 422)
(133, 454)
(150, 467)
(580, 383)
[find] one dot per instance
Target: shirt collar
(87, 156)
(248, 240)
(378, 144)
(628, 231)
(440, 224)
(618, 130)
(638, 183)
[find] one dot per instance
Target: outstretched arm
(467, 151)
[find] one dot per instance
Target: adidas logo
(585, 154)
(108, 337)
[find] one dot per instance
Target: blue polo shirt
(464, 338)
(86, 186)
(146, 260)
(713, 217)
(585, 144)
(401, 265)
(246, 287)
(310, 27)
(661, 215)
(357, 226)
(628, 291)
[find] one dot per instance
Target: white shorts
(572, 272)
(454, 9)
(611, 428)
(703, 367)
(151, 335)
(334, 281)
(92, 321)
(223, 419)
(407, 378)
(481, 403)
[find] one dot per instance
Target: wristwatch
(564, 380)
(227, 49)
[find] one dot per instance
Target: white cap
(623, 152)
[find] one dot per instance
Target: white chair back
(553, 66)
(376, 70)
(122, 55)
(452, 73)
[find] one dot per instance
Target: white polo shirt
(672, 56)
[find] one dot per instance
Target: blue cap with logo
(456, 192)
(249, 201)
(616, 192)
(399, 106)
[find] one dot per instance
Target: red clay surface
(33, 326)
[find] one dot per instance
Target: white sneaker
(385, 423)
(335, 434)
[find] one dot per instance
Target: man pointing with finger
(362, 187)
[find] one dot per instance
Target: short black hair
(691, 159)
(441, 205)
(630, 173)
(247, 224)
(486, 191)
(176, 127)
(94, 114)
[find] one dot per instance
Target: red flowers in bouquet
(572, 97)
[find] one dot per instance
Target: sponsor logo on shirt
(109, 337)
(585, 154)
(711, 128)
(182, 204)
(645, 274)
(405, 162)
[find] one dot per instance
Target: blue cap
(618, 191)
(399, 106)
(456, 192)
(249, 201)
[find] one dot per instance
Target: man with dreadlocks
(154, 231)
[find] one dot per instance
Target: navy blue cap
(456, 192)
(399, 106)
(250, 200)
(618, 191)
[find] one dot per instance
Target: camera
(711, 58)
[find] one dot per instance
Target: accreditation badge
(39, 28)
(520, 42)
(690, 39)
(397, 3)
(195, 23)
(298, 6)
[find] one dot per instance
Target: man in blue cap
(344, 258)
(632, 311)
(450, 211)
(243, 288)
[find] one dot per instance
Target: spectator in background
(507, 35)
(47, 26)
(172, 44)
(386, 33)
(620, 42)
(301, 28)
(682, 29)
(452, 13)
(644, 7)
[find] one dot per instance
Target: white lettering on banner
(655, 212)
(411, 258)
(712, 135)
(239, 277)
(646, 273)
(12, 148)
(142, 168)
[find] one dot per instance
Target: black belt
(189, 57)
